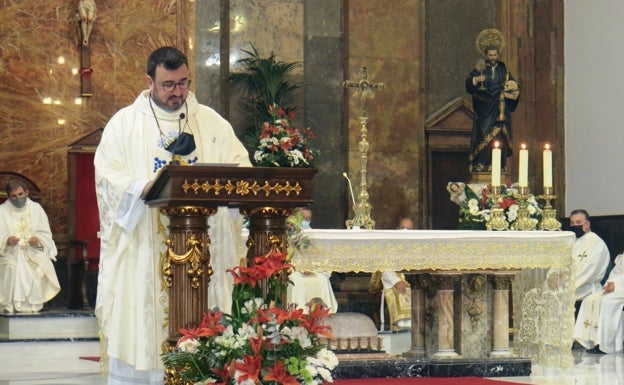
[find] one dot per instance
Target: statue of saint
(494, 97)
(86, 16)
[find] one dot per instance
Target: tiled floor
(59, 363)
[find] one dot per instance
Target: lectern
(188, 195)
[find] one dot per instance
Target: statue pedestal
(486, 177)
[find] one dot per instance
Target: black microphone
(175, 143)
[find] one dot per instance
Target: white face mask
(305, 225)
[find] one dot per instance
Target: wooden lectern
(188, 195)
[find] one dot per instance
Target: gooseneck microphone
(350, 188)
(182, 115)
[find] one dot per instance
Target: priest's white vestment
(27, 275)
(599, 321)
(132, 299)
(591, 260)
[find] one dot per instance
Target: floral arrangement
(297, 241)
(258, 343)
(284, 146)
(475, 206)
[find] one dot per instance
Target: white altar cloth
(543, 329)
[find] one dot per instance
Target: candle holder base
(524, 221)
(497, 220)
(549, 220)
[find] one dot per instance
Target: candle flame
(523, 146)
(496, 144)
(547, 146)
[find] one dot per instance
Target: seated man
(591, 257)
(309, 285)
(599, 325)
(396, 291)
(27, 276)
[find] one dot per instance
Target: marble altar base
(380, 365)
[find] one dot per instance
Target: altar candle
(547, 166)
(496, 165)
(523, 175)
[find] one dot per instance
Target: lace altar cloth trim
(373, 250)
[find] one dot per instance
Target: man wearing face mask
(591, 257)
(27, 276)
(307, 285)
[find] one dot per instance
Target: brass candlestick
(497, 221)
(524, 221)
(549, 220)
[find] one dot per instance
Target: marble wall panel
(386, 38)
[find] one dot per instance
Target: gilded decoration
(241, 187)
(194, 256)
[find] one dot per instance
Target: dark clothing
(492, 120)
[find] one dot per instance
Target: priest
(165, 123)
(27, 275)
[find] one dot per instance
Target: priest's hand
(33, 241)
(609, 287)
(12, 240)
(402, 287)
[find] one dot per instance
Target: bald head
(406, 224)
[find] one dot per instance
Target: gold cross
(584, 255)
(365, 89)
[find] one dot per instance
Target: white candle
(496, 165)
(547, 166)
(523, 175)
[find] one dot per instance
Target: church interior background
(418, 127)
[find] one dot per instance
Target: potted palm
(267, 94)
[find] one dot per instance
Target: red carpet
(96, 359)
(424, 381)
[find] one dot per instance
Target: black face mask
(184, 144)
(578, 230)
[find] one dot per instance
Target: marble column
(446, 337)
(418, 284)
(500, 318)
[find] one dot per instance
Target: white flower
(473, 206)
(311, 369)
(189, 345)
(327, 358)
(325, 374)
(259, 155)
(252, 305)
(298, 333)
(206, 381)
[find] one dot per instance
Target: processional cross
(365, 90)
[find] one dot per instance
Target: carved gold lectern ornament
(365, 89)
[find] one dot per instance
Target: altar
(461, 285)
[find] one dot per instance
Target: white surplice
(599, 321)
(27, 275)
(132, 298)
